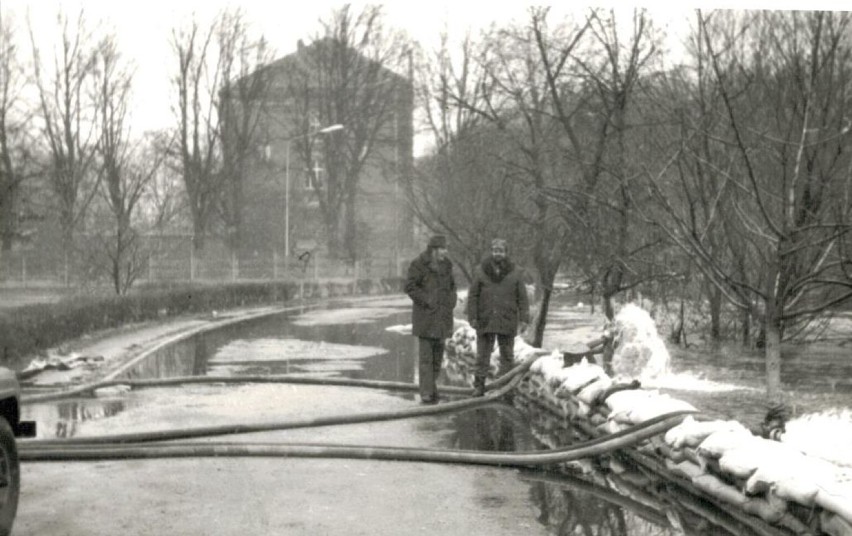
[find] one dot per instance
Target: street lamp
(326, 130)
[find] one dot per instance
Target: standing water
(350, 342)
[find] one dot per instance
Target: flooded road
(331, 496)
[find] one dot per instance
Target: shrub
(26, 330)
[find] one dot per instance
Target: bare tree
(593, 89)
(243, 97)
(67, 127)
(16, 159)
(462, 188)
(348, 76)
(781, 79)
(196, 80)
(125, 172)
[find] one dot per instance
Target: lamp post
(326, 130)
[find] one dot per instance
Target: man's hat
(499, 242)
(437, 241)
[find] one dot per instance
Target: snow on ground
(827, 434)
(354, 315)
(242, 350)
(686, 381)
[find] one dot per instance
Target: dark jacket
(497, 300)
(433, 290)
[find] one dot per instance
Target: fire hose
(154, 444)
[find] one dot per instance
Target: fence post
(191, 261)
(274, 264)
(316, 266)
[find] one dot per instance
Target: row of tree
(67, 146)
(722, 177)
(725, 176)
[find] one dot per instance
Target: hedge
(29, 329)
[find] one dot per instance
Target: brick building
(292, 139)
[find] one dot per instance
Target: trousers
(429, 367)
(484, 347)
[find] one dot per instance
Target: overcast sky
(144, 27)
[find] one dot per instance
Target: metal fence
(35, 269)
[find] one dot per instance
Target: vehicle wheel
(10, 478)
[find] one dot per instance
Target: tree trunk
(350, 231)
(541, 317)
(609, 310)
(745, 328)
(715, 313)
(772, 352)
(198, 234)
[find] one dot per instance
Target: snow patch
(242, 350)
(827, 435)
(355, 315)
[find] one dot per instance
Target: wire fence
(156, 265)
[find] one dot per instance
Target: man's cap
(499, 242)
(438, 241)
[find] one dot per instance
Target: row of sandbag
(757, 475)
(723, 458)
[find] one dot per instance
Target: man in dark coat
(496, 304)
(431, 287)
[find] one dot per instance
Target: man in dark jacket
(431, 287)
(496, 304)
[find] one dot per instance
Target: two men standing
(497, 304)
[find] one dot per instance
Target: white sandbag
(591, 392)
(628, 399)
(581, 375)
(656, 406)
(837, 497)
(690, 433)
(771, 509)
(547, 365)
(790, 474)
(685, 469)
(717, 443)
(740, 462)
(720, 490)
(834, 525)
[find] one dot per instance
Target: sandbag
(717, 443)
(591, 392)
(690, 433)
(628, 399)
(837, 497)
(720, 490)
(580, 375)
(656, 406)
(834, 525)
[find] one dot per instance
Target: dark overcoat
(433, 290)
(497, 301)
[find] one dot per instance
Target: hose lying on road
(595, 447)
(90, 388)
(508, 382)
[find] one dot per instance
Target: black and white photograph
(460, 268)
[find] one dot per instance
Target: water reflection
(184, 358)
(62, 419)
(497, 427)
